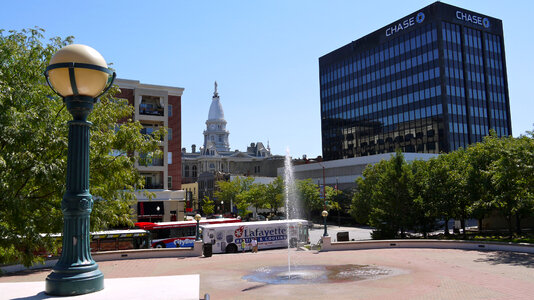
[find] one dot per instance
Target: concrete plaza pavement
(427, 274)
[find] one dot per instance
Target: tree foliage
(234, 192)
(310, 197)
(274, 195)
(208, 205)
(33, 151)
(495, 175)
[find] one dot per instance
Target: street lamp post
(79, 74)
(222, 207)
(339, 208)
(325, 214)
(197, 218)
(324, 185)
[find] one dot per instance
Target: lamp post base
(75, 281)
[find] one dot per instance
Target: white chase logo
(472, 19)
(405, 24)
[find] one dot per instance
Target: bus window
(177, 232)
(140, 242)
(107, 244)
(126, 243)
(160, 233)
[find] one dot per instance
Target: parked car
(229, 215)
(277, 217)
(214, 216)
(257, 218)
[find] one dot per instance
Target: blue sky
(263, 54)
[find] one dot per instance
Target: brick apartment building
(158, 106)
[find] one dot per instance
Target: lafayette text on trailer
(269, 234)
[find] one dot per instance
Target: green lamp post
(325, 214)
(79, 74)
(197, 218)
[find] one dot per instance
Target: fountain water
(292, 206)
(311, 274)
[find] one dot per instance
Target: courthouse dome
(216, 110)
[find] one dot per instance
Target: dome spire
(216, 135)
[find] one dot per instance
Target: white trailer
(227, 238)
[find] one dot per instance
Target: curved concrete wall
(327, 245)
(119, 255)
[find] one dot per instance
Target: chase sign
(409, 22)
(474, 19)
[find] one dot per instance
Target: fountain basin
(313, 274)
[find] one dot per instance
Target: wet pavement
(314, 274)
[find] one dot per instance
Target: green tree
(257, 194)
(445, 191)
(230, 192)
(479, 186)
(309, 194)
(226, 191)
(511, 178)
(392, 199)
(423, 212)
(208, 206)
(332, 196)
(274, 195)
(33, 150)
(361, 200)
(254, 196)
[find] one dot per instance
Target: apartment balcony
(148, 109)
(150, 162)
(154, 186)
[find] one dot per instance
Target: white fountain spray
(291, 202)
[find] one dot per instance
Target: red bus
(177, 234)
(110, 240)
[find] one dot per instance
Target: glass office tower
(431, 82)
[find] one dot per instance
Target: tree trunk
(518, 223)
(480, 224)
(509, 221)
(403, 234)
(462, 221)
(447, 227)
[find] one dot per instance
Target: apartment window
(169, 158)
(169, 110)
(169, 182)
(169, 132)
(186, 172)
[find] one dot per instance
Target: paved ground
(428, 274)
